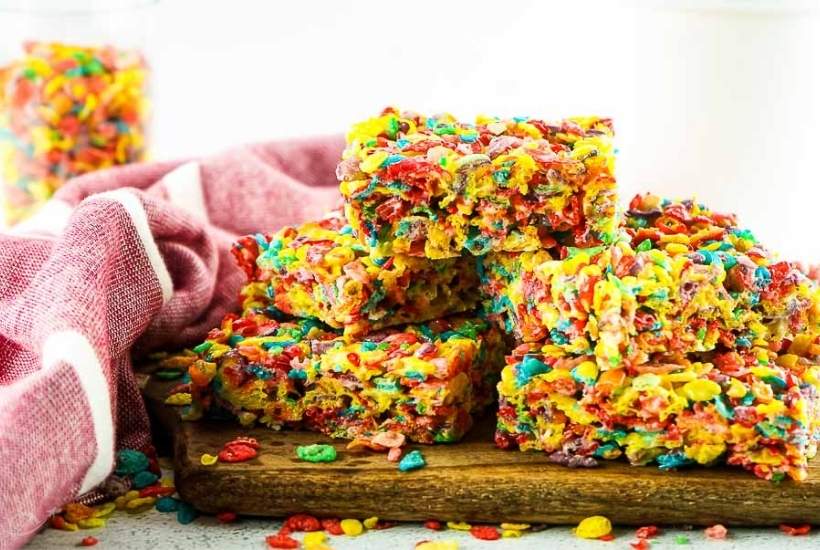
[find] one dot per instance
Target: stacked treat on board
(667, 335)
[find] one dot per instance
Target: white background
(716, 99)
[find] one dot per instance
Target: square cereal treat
(754, 407)
(440, 188)
(683, 279)
(422, 381)
(319, 270)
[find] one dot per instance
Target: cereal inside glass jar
(74, 96)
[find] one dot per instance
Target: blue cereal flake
(412, 461)
(144, 479)
(261, 241)
(392, 159)
(167, 504)
(670, 461)
(762, 277)
(530, 366)
(130, 462)
(185, 513)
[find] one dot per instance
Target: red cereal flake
(156, 491)
(716, 532)
(607, 538)
(795, 530)
(640, 544)
(89, 541)
(303, 522)
(242, 440)
(281, 541)
(485, 532)
(433, 525)
(56, 522)
(332, 526)
(647, 532)
(384, 525)
(236, 452)
(226, 517)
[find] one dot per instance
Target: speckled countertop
(155, 531)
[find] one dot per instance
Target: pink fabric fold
(121, 263)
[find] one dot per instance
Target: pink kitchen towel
(124, 262)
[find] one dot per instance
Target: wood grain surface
(470, 481)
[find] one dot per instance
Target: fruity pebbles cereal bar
(422, 381)
(683, 279)
(437, 187)
(319, 270)
(756, 407)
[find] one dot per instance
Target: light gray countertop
(154, 531)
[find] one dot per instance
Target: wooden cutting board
(471, 481)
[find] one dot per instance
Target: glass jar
(73, 93)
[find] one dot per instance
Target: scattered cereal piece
(795, 530)
(437, 545)
(208, 460)
(76, 511)
(593, 527)
(185, 513)
(91, 523)
(314, 538)
(394, 454)
(510, 533)
(352, 527)
(281, 541)
(166, 504)
(391, 440)
(157, 491)
(716, 532)
(226, 517)
(181, 398)
(485, 532)
(88, 541)
(332, 526)
(130, 462)
(647, 532)
(412, 461)
(59, 522)
(236, 452)
(302, 522)
(681, 539)
(607, 538)
(316, 453)
(433, 525)
(371, 522)
(245, 440)
(515, 526)
(144, 479)
(168, 374)
(640, 544)
(459, 525)
(104, 510)
(139, 504)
